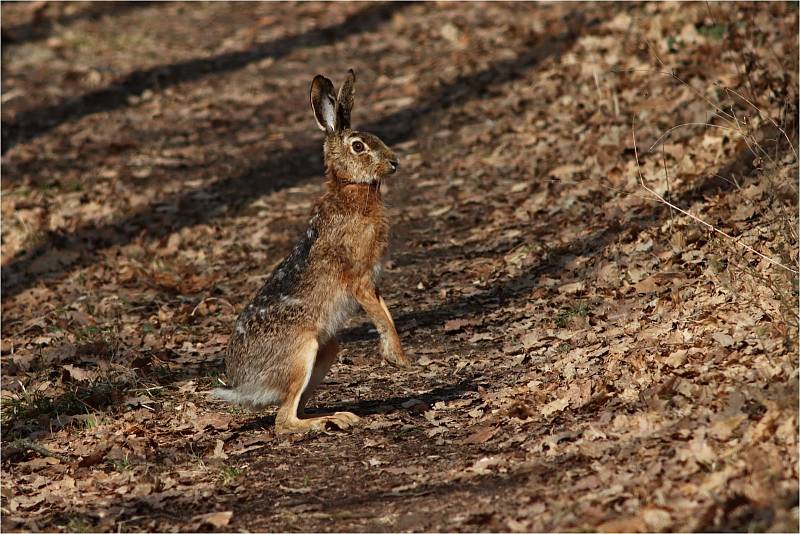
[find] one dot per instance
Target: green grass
(121, 464)
(78, 524)
(581, 309)
(671, 42)
(27, 404)
(93, 421)
(564, 347)
(30, 409)
(230, 473)
(95, 334)
(715, 31)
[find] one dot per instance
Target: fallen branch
(22, 445)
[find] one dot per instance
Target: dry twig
(693, 216)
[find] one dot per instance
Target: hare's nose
(393, 165)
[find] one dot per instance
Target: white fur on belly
(340, 311)
(248, 396)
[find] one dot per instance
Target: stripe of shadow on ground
(265, 504)
(290, 168)
(508, 290)
(41, 26)
(28, 125)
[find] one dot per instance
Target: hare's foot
(341, 420)
(297, 426)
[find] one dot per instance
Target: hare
(284, 341)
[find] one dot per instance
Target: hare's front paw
(396, 357)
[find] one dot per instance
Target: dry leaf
(657, 519)
(482, 435)
(215, 519)
(572, 288)
(554, 406)
(81, 375)
(723, 339)
(217, 421)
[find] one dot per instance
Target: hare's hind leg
(311, 363)
(326, 357)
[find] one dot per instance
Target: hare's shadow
(365, 408)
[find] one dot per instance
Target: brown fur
(284, 341)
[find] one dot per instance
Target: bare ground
(586, 358)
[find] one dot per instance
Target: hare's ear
(323, 102)
(344, 104)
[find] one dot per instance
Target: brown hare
(284, 341)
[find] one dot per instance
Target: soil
(585, 356)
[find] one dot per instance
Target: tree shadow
(507, 290)
(288, 168)
(492, 483)
(41, 25)
(28, 125)
(337, 502)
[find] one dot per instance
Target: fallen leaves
(216, 421)
(588, 360)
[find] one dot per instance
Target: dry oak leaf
(723, 429)
(483, 465)
(723, 339)
(572, 288)
(657, 519)
(218, 421)
(648, 285)
(215, 519)
(453, 325)
(677, 358)
(80, 375)
(555, 406)
(482, 435)
(94, 457)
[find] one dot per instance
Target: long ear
(323, 102)
(344, 104)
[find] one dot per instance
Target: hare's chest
(370, 244)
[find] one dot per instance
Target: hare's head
(350, 156)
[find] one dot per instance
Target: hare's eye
(358, 147)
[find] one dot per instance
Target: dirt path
(586, 359)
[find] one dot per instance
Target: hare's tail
(248, 397)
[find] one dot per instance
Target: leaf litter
(587, 358)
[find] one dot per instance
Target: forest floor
(586, 358)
